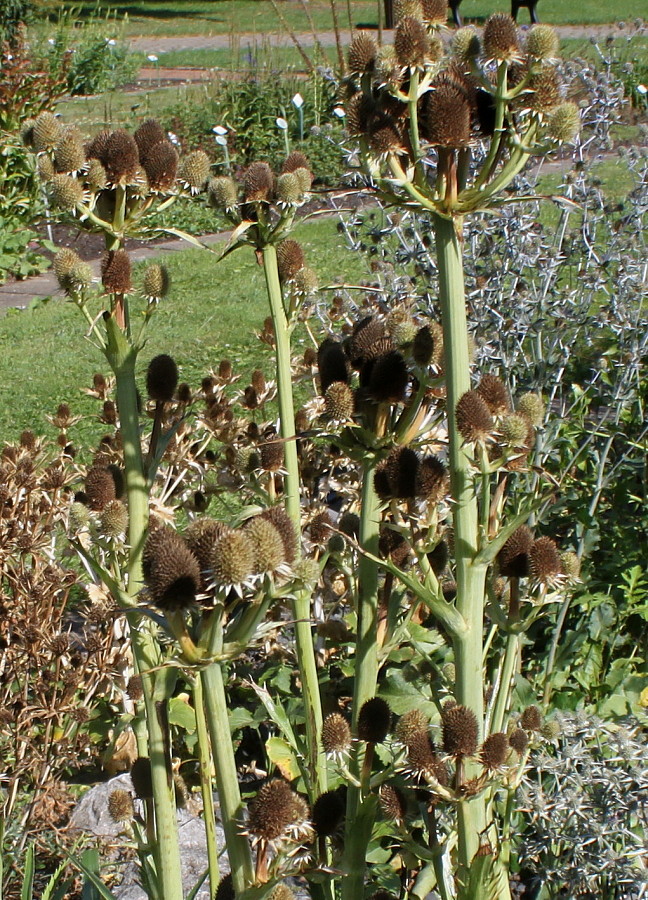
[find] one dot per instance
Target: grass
(166, 18)
(212, 312)
(237, 60)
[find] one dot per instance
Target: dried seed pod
(258, 183)
(171, 571)
(339, 401)
(411, 42)
(233, 559)
(113, 520)
(45, 168)
(460, 731)
(402, 466)
(428, 345)
(119, 156)
(193, 170)
(544, 90)
(570, 564)
(69, 153)
(447, 114)
(389, 378)
(201, 536)
(494, 750)
(405, 8)
(134, 688)
(96, 178)
(162, 378)
(474, 420)
(494, 392)
(519, 740)
(120, 806)
(66, 192)
(305, 281)
(435, 12)
(563, 125)
(513, 558)
(116, 272)
(393, 545)
(290, 259)
(514, 432)
(500, 38)
(96, 148)
(349, 524)
(225, 890)
(141, 777)
(410, 725)
(295, 160)
(289, 189)
(148, 135)
(64, 262)
(281, 892)
(328, 813)
(432, 479)
(156, 281)
(320, 528)
(272, 811)
(392, 803)
(365, 341)
(46, 132)
(542, 43)
(531, 719)
(222, 192)
(272, 455)
(532, 407)
(283, 523)
(360, 110)
(423, 759)
(100, 487)
(438, 558)
(362, 53)
(331, 363)
(381, 481)
(267, 545)
(336, 734)
(386, 65)
(466, 45)
(161, 165)
(544, 560)
(374, 720)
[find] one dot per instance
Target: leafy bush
(13, 13)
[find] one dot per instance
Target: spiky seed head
(386, 65)
(156, 281)
(466, 45)
(331, 363)
(336, 734)
(161, 166)
(531, 719)
(532, 407)
(563, 125)
(339, 401)
(27, 133)
(393, 545)
(116, 272)
(389, 378)
(447, 114)
(149, 133)
(100, 487)
(120, 806)
(295, 160)
(305, 281)
(494, 750)
(542, 43)
(381, 481)
(435, 12)
(432, 479)
(474, 420)
(411, 42)
(570, 564)
(171, 571)
(258, 182)
(438, 558)
(281, 892)
(328, 813)
(545, 90)
(113, 520)
(307, 570)
(427, 348)
(69, 154)
(142, 779)
(513, 558)
(222, 192)
(514, 431)
(135, 688)
(45, 167)
(272, 455)
(551, 730)
(544, 560)
(120, 156)
(225, 890)
(393, 803)
(365, 341)
(362, 53)
(46, 132)
(402, 466)
(305, 178)
(193, 170)
(495, 393)
(320, 528)
(360, 110)
(79, 516)
(96, 148)
(96, 178)
(162, 378)
(423, 759)
(460, 731)
(500, 38)
(233, 558)
(268, 548)
(201, 535)
(405, 8)
(272, 810)
(66, 192)
(289, 190)
(290, 259)
(400, 326)
(374, 720)
(284, 525)
(519, 740)
(384, 134)
(64, 262)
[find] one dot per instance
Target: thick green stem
(229, 795)
(205, 768)
(302, 600)
(358, 828)
(469, 576)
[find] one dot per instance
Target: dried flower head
(273, 811)
(402, 467)
(328, 813)
(494, 392)
(500, 38)
(544, 560)
(393, 803)
(284, 525)
(171, 571)
(366, 341)
(193, 170)
(423, 760)
(563, 124)
(494, 751)
(393, 545)
(120, 806)
(161, 378)
(460, 731)
(466, 45)
(519, 740)
(305, 281)
(447, 113)
(156, 281)
(290, 259)
(233, 559)
(428, 345)
(201, 536)
(142, 779)
(362, 53)
(69, 154)
(222, 192)
(513, 558)
(258, 183)
(268, 547)
(531, 719)
(374, 720)
(161, 165)
(225, 890)
(289, 189)
(281, 892)
(63, 264)
(113, 520)
(148, 135)
(474, 419)
(405, 8)
(46, 132)
(66, 192)
(45, 167)
(119, 156)
(116, 272)
(339, 401)
(336, 735)
(542, 43)
(411, 42)
(294, 161)
(331, 363)
(388, 378)
(100, 487)
(435, 12)
(432, 479)
(438, 558)
(570, 564)
(514, 432)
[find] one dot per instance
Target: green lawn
(212, 312)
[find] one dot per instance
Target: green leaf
(281, 754)
(93, 886)
(182, 714)
(28, 877)
(404, 696)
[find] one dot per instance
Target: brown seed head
(389, 378)
(447, 114)
(320, 528)
(513, 558)
(69, 155)
(519, 740)
(149, 133)
(435, 12)
(428, 345)
(405, 8)
(201, 536)
(339, 401)
(116, 272)
(374, 720)
(466, 45)
(423, 759)
(393, 545)
(542, 43)
(393, 803)
(305, 281)
(460, 731)
(281, 892)
(362, 53)
(134, 688)
(46, 132)
(494, 392)
(193, 170)
(366, 341)
(290, 259)
(411, 42)
(272, 811)
(331, 363)
(432, 479)
(546, 87)
(474, 420)
(161, 165)
(494, 750)
(96, 148)
(162, 378)
(328, 813)
(336, 734)
(171, 571)
(295, 160)
(531, 719)
(258, 183)
(64, 262)
(267, 545)
(120, 806)
(225, 890)
(233, 558)
(402, 466)
(120, 156)
(283, 523)
(66, 192)
(500, 38)
(141, 777)
(360, 111)
(438, 558)
(99, 487)
(544, 560)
